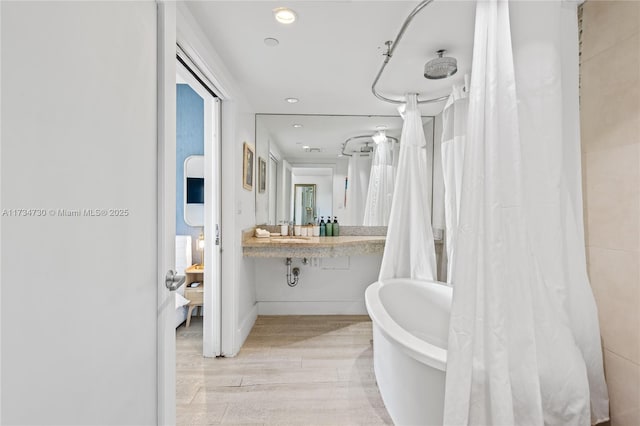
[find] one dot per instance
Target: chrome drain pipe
(295, 273)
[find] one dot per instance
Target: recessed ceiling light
(297, 126)
(271, 42)
(284, 15)
(291, 100)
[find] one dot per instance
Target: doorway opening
(198, 194)
(312, 190)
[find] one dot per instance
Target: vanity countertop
(299, 247)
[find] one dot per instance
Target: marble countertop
(299, 247)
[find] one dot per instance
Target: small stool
(193, 306)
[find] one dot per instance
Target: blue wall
(189, 141)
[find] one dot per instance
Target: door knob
(173, 280)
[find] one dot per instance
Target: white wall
(339, 175)
(238, 204)
(245, 282)
(326, 286)
(79, 293)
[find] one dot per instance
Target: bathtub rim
(416, 348)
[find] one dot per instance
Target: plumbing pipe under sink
(295, 273)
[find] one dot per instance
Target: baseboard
(245, 327)
(342, 307)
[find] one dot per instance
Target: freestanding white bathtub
(410, 328)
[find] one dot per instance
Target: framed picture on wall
(262, 175)
(247, 167)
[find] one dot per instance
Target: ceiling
(330, 55)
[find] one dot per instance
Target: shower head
(440, 67)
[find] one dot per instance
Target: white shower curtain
(524, 344)
(409, 250)
(381, 184)
(546, 69)
(357, 187)
(454, 132)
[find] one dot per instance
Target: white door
(81, 275)
(212, 326)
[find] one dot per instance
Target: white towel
(262, 233)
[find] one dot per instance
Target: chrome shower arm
(344, 145)
(391, 47)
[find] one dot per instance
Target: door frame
(196, 46)
(189, 72)
(166, 194)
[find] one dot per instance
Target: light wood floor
(296, 370)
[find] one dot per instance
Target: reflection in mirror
(321, 177)
(272, 188)
(313, 149)
(304, 205)
(381, 181)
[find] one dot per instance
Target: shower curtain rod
(344, 145)
(391, 47)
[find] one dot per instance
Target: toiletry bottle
(336, 227)
(323, 228)
(329, 227)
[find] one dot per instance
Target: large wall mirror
(334, 154)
